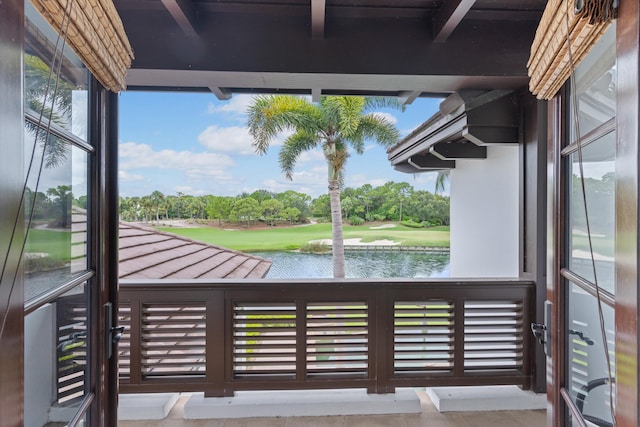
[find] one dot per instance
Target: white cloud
(232, 139)
(236, 105)
(186, 189)
(388, 116)
(311, 156)
(139, 156)
(311, 181)
(126, 176)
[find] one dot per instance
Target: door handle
(116, 333)
(113, 334)
(539, 331)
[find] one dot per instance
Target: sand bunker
(383, 226)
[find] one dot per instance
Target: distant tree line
(53, 207)
(389, 202)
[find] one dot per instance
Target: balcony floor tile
(429, 417)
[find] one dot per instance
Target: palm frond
(372, 103)
(441, 180)
(330, 111)
(350, 114)
(378, 128)
(269, 115)
(295, 145)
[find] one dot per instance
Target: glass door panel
(588, 271)
(598, 165)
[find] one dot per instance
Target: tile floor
(429, 417)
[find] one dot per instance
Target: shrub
(379, 217)
(35, 264)
(356, 220)
(411, 223)
(315, 248)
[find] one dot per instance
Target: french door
(583, 288)
(69, 257)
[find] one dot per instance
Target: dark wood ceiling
(406, 48)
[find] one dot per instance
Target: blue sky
(195, 144)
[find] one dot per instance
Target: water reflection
(358, 265)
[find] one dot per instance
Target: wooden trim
(555, 291)
(577, 417)
(11, 182)
(108, 229)
(627, 208)
(589, 287)
(318, 13)
(600, 131)
(183, 12)
(449, 17)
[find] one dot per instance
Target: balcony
(221, 337)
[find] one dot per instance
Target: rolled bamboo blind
(550, 64)
(96, 34)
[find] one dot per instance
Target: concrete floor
(429, 417)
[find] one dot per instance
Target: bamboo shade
(550, 63)
(95, 32)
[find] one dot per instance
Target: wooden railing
(224, 336)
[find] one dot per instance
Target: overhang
(468, 122)
(404, 48)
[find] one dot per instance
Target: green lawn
(293, 237)
(55, 243)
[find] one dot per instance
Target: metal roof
(147, 253)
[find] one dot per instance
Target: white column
(484, 215)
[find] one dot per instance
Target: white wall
(484, 215)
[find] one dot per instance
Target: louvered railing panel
(264, 339)
(226, 336)
(337, 338)
(124, 346)
(71, 346)
(423, 336)
(173, 339)
(493, 335)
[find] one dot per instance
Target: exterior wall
(485, 216)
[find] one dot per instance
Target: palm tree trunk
(336, 226)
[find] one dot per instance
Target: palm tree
(62, 197)
(441, 180)
(50, 100)
(333, 124)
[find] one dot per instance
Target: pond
(358, 265)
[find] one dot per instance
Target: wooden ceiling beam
(318, 12)
(448, 17)
(221, 93)
(316, 94)
(184, 14)
(407, 97)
